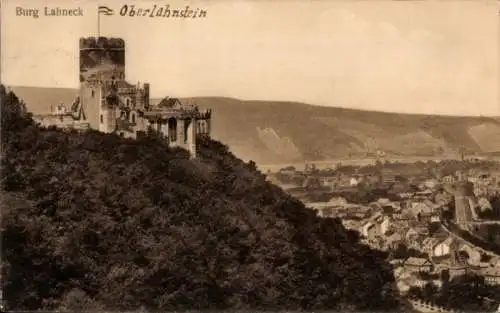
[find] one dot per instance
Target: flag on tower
(105, 10)
(102, 10)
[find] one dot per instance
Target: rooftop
(416, 261)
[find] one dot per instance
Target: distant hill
(297, 131)
(276, 132)
(39, 100)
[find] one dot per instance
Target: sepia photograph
(250, 155)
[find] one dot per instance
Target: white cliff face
(279, 145)
(483, 133)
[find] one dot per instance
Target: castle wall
(109, 115)
(191, 137)
(90, 97)
(180, 133)
(60, 121)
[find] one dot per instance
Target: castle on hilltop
(108, 103)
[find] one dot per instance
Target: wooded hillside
(95, 221)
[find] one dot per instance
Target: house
(397, 266)
(388, 176)
(417, 264)
(495, 262)
(396, 206)
(377, 217)
(393, 239)
(402, 287)
(491, 275)
(369, 230)
(288, 171)
(405, 195)
(351, 224)
(402, 219)
(354, 181)
(420, 208)
(447, 269)
(430, 183)
(449, 179)
(338, 201)
(457, 270)
(362, 209)
(436, 247)
(322, 206)
(385, 224)
(422, 230)
(435, 218)
(443, 198)
(388, 209)
(360, 215)
(418, 282)
(384, 201)
(416, 243)
(328, 181)
(484, 204)
(411, 236)
(424, 192)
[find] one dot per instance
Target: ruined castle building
(108, 103)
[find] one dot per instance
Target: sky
(430, 57)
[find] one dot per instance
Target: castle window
(128, 103)
(133, 118)
(93, 93)
(102, 117)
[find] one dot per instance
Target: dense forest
(95, 221)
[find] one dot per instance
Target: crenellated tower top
(102, 58)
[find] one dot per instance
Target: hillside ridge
(306, 132)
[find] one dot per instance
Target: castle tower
(107, 117)
(108, 107)
(102, 61)
(101, 58)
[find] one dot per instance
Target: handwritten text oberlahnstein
(161, 11)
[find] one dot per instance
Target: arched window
(93, 93)
(133, 118)
(128, 103)
(102, 119)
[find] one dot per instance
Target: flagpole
(98, 24)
